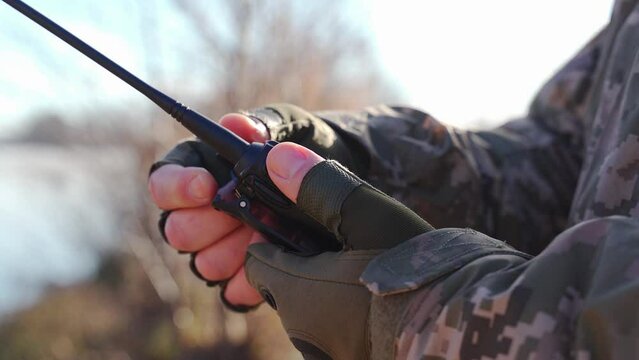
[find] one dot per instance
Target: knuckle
(195, 186)
(180, 189)
(161, 185)
(212, 266)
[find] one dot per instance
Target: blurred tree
(312, 54)
(255, 52)
(307, 53)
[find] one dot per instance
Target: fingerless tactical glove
(320, 300)
(284, 122)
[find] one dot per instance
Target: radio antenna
(228, 145)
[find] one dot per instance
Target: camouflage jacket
(559, 184)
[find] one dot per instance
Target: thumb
(287, 164)
(360, 216)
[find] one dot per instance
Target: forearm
(575, 299)
(499, 182)
(514, 182)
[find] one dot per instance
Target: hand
(218, 240)
(322, 304)
(182, 185)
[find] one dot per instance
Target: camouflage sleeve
(466, 296)
(519, 176)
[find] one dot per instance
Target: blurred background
(83, 271)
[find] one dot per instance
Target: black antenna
(229, 145)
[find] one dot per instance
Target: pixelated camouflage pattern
(561, 184)
(576, 300)
(515, 183)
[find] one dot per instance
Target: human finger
(245, 127)
(193, 229)
(287, 165)
(221, 260)
(340, 201)
(175, 187)
(238, 292)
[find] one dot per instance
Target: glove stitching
(164, 216)
(367, 329)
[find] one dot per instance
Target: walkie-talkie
(250, 193)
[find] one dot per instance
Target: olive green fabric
(323, 191)
(385, 322)
(319, 299)
(361, 216)
(286, 122)
(374, 220)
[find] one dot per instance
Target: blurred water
(60, 209)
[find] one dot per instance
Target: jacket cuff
(428, 257)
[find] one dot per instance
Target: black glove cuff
(164, 216)
(222, 284)
(233, 307)
(194, 270)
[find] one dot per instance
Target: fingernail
(198, 188)
(285, 164)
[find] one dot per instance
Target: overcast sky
(469, 60)
(466, 62)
